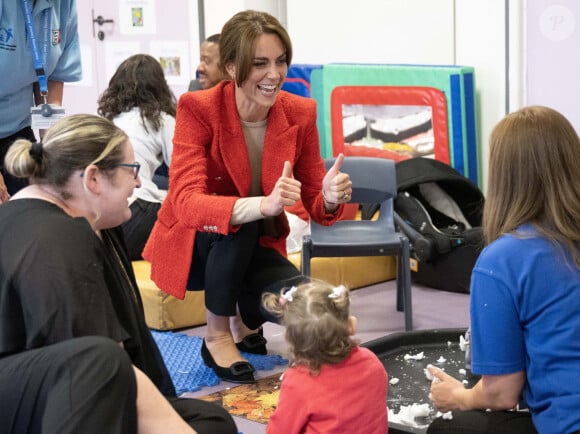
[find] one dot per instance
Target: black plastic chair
(374, 180)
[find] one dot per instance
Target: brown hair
(317, 326)
(238, 40)
(533, 177)
(138, 82)
(71, 144)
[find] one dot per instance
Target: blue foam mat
(182, 357)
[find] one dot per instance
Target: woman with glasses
(139, 101)
(65, 275)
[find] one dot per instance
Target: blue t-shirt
(525, 315)
(17, 73)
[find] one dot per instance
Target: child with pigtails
(332, 385)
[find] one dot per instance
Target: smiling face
(116, 190)
(208, 71)
(259, 90)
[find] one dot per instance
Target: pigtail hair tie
(337, 291)
(288, 296)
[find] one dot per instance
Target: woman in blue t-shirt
(525, 287)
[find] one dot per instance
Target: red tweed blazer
(210, 170)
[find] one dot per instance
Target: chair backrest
(374, 180)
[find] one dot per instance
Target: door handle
(100, 21)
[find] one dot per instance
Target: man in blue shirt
(55, 25)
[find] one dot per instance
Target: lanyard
(38, 61)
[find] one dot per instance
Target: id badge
(46, 115)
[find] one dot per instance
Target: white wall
(448, 32)
(481, 42)
(553, 63)
(217, 12)
(372, 31)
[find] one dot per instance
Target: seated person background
(208, 72)
(139, 101)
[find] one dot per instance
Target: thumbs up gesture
(336, 185)
(286, 192)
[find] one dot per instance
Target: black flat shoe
(238, 372)
(253, 344)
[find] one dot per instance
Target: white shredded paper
(462, 343)
(408, 413)
(419, 356)
(448, 415)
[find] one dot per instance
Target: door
(112, 30)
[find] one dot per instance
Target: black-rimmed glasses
(135, 166)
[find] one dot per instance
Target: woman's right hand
(286, 192)
(445, 390)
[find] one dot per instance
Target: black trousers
(235, 269)
(137, 229)
(14, 184)
(204, 417)
(83, 385)
(484, 422)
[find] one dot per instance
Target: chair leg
(406, 285)
(400, 283)
(305, 259)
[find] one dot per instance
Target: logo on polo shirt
(7, 39)
(55, 40)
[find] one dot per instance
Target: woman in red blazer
(243, 150)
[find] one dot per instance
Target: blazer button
(218, 178)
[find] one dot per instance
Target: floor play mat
(181, 354)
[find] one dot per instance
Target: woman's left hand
(336, 185)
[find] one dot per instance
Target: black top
(59, 280)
